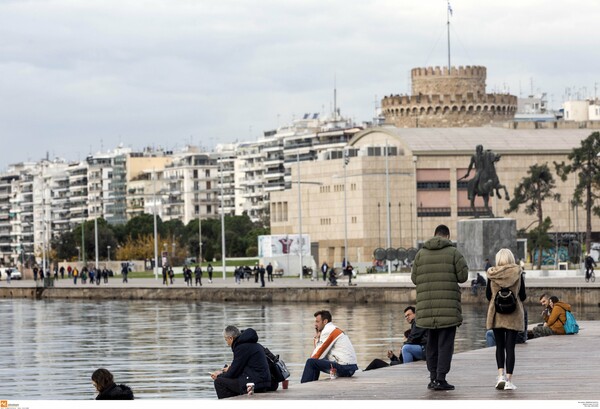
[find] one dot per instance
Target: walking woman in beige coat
(505, 275)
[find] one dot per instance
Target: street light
(78, 253)
(108, 248)
(346, 161)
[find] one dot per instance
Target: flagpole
(448, 11)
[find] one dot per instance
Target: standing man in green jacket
(437, 271)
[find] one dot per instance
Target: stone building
(443, 98)
(397, 200)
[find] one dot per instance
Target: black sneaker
(443, 386)
(432, 384)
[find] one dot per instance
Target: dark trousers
(227, 387)
(440, 347)
(314, 367)
(262, 279)
(505, 348)
(198, 280)
(270, 276)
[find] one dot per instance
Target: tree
(586, 164)
(531, 192)
(538, 238)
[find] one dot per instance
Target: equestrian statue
(485, 180)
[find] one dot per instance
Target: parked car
(15, 274)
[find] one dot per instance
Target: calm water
(49, 348)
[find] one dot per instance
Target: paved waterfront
(546, 369)
(366, 280)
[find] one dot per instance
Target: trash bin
(48, 282)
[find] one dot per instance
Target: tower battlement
(448, 97)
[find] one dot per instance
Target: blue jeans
(314, 367)
(412, 352)
(490, 341)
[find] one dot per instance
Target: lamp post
(222, 223)
(108, 250)
(78, 253)
(346, 160)
(155, 228)
(299, 213)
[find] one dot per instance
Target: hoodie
(506, 276)
(116, 392)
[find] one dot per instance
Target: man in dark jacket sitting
(413, 348)
(249, 365)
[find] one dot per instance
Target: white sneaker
(501, 382)
(509, 386)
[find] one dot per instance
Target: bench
(278, 272)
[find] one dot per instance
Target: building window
(433, 185)
(433, 212)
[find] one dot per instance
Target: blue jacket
(249, 362)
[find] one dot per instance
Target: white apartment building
(191, 187)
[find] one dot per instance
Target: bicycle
(591, 277)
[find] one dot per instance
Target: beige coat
(509, 276)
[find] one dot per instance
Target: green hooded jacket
(437, 270)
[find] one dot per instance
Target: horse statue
(485, 181)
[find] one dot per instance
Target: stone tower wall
(443, 98)
(440, 81)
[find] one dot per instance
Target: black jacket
(249, 362)
(116, 392)
(417, 336)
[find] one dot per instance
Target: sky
(83, 76)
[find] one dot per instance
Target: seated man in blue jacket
(249, 365)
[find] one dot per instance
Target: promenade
(550, 368)
(393, 288)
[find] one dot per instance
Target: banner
(283, 244)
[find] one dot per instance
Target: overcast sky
(80, 76)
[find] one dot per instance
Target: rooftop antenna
(334, 98)
(448, 14)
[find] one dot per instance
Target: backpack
(277, 367)
(570, 325)
(505, 301)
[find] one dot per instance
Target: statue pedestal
(479, 239)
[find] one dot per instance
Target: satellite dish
(411, 253)
(391, 254)
(379, 254)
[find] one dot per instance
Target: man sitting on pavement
(413, 348)
(333, 351)
(249, 365)
(555, 323)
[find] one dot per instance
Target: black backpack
(277, 367)
(505, 301)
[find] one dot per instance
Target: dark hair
(103, 379)
(325, 315)
(554, 299)
(442, 230)
(543, 296)
(410, 307)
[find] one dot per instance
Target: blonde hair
(504, 256)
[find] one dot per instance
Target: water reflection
(49, 348)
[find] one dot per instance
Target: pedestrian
(261, 271)
(69, 271)
(505, 326)
(92, 276)
(198, 274)
(164, 274)
(209, 269)
(75, 275)
(8, 275)
(84, 275)
(269, 272)
(324, 270)
(255, 272)
(125, 272)
(171, 274)
(105, 275)
(62, 272)
(35, 273)
(437, 270)
(56, 272)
